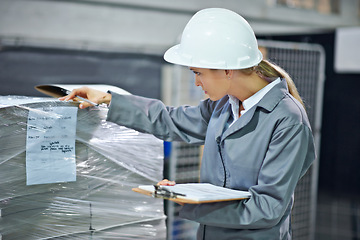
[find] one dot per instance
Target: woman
(254, 128)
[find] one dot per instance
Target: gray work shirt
(266, 152)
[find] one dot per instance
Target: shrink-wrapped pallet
(98, 202)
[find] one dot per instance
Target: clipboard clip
(161, 192)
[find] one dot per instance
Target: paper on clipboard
(196, 193)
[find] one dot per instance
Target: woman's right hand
(93, 95)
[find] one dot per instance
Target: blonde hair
(270, 71)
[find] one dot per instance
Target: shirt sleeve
(290, 154)
(148, 115)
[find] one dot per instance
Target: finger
(83, 92)
(65, 98)
(166, 182)
(84, 105)
(162, 181)
(70, 96)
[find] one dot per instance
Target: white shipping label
(50, 145)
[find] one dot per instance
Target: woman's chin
(215, 98)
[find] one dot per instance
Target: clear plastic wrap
(110, 160)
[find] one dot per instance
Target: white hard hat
(216, 38)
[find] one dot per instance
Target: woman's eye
(197, 73)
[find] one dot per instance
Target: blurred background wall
(121, 42)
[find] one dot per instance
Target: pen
(83, 99)
(87, 100)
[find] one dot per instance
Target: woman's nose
(197, 82)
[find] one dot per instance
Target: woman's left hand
(167, 182)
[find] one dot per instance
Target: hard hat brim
(174, 55)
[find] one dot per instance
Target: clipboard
(193, 193)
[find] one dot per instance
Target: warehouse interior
(121, 43)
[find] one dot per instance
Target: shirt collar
(251, 101)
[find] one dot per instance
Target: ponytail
(270, 71)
